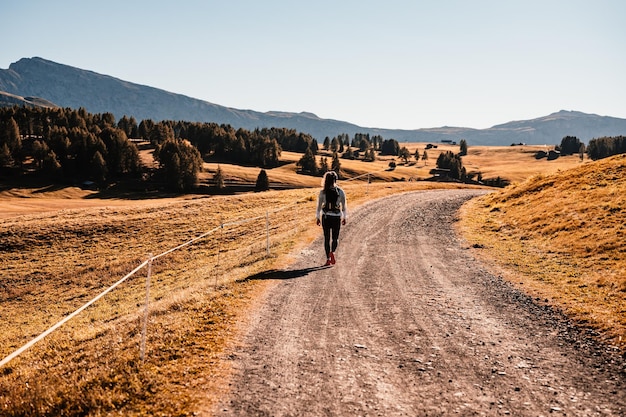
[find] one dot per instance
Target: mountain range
(40, 82)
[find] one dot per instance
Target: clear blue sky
(403, 64)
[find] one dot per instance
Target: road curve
(409, 324)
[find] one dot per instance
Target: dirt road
(409, 324)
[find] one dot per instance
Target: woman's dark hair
(329, 180)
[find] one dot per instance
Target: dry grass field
(54, 260)
(61, 247)
(515, 163)
(562, 237)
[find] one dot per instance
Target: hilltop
(72, 87)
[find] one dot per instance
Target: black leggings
(331, 226)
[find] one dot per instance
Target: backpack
(332, 200)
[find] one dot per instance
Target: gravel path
(409, 324)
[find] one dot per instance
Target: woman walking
(331, 213)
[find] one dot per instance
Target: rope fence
(148, 264)
(70, 316)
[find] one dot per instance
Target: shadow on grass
(121, 194)
(285, 274)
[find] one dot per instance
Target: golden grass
(59, 248)
(54, 263)
(515, 163)
(561, 237)
(287, 173)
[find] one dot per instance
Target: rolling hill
(39, 80)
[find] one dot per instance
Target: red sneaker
(332, 258)
(328, 262)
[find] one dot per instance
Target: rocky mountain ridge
(36, 81)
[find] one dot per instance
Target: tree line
(74, 145)
(606, 146)
(598, 148)
(261, 147)
(362, 146)
(65, 144)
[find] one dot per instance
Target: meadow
(62, 246)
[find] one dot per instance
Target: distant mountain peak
(571, 113)
(72, 87)
(309, 114)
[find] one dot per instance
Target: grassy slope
(561, 237)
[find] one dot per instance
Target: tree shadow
(285, 274)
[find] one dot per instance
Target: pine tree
(98, 168)
(5, 156)
(581, 152)
(323, 166)
(570, 145)
(218, 178)
(463, 148)
(370, 155)
(364, 145)
(452, 162)
(390, 147)
(262, 181)
(14, 141)
(307, 163)
(51, 165)
(39, 150)
(122, 155)
(179, 163)
(349, 154)
(13, 134)
(404, 154)
(336, 164)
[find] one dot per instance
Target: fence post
(142, 352)
(219, 243)
(267, 231)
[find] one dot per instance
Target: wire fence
(266, 235)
